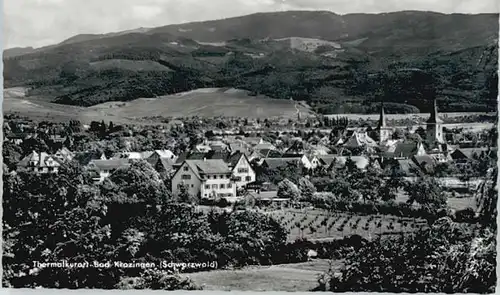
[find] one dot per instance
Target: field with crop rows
(318, 224)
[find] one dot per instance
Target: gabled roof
(267, 153)
(425, 161)
(264, 146)
(406, 149)
(110, 164)
(234, 158)
(300, 156)
(273, 163)
(161, 164)
(458, 154)
(41, 160)
(252, 140)
(407, 166)
(208, 167)
(326, 160)
(469, 152)
(360, 161)
(298, 147)
(164, 154)
(358, 139)
(239, 146)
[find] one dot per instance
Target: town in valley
(300, 150)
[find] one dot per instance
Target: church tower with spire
(434, 132)
(384, 132)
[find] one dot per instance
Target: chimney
(205, 159)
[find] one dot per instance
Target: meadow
(293, 277)
(206, 102)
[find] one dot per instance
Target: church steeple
(434, 118)
(434, 127)
(382, 122)
(384, 132)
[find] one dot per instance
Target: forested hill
(337, 63)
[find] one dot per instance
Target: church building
(434, 131)
(384, 132)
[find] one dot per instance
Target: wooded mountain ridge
(336, 63)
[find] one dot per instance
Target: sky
(39, 23)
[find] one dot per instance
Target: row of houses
(224, 169)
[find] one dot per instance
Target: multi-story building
(205, 178)
(39, 163)
(243, 173)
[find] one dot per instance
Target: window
(185, 176)
(238, 178)
(186, 168)
(248, 178)
(214, 186)
(192, 185)
(242, 170)
(179, 185)
(207, 186)
(221, 176)
(222, 186)
(229, 185)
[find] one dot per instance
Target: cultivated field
(321, 225)
(206, 102)
(301, 277)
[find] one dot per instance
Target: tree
(306, 188)
(140, 183)
(288, 189)
(183, 195)
(366, 183)
(449, 258)
(389, 187)
(426, 191)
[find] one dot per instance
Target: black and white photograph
(250, 145)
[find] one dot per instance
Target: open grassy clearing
(283, 277)
(207, 102)
(202, 102)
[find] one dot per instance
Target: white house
(205, 178)
(39, 163)
(162, 154)
(243, 173)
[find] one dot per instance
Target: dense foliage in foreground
(449, 257)
(65, 217)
